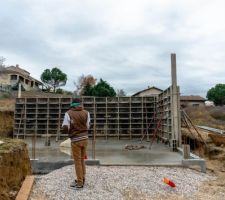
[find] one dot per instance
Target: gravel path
(114, 183)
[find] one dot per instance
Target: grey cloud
(77, 38)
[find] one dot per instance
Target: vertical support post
(142, 117)
(48, 117)
(118, 117)
(130, 116)
(25, 119)
(19, 90)
(59, 120)
(106, 117)
(94, 132)
(175, 109)
(35, 133)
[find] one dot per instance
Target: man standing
(76, 124)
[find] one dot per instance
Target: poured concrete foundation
(108, 152)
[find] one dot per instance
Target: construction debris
(134, 147)
(217, 139)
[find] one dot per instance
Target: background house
(192, 101)
(13, 75)
(150, 91)
(184, 100)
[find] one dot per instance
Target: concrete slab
(110, 152)
(193, 160)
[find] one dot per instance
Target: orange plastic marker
(169, 182)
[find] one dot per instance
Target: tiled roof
(150, 88)
(192, 98)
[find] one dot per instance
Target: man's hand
(65, 129)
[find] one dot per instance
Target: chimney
(17, 65)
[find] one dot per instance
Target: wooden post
(94, 132)
(35, 133)
(59, 120)
(118, 117)
(130, 116)
(47, 142)
(106, 117)
(142, 117)
(24, 119)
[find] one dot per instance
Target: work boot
(74, 185)
(83, 181)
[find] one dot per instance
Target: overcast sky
(125, 42)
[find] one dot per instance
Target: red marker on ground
(169, 182)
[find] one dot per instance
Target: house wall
(4, 79)
(28, 86)
(192, 103)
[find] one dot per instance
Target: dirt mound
(14, 166)
(6, 123)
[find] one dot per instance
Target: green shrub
(59, 91)
(5, 96)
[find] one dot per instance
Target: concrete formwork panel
(110, 116)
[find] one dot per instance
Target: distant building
(13, 75)
(150, 91)
(209, 103)
(192, 101)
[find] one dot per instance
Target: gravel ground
(113, 183)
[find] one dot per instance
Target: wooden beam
(24, 192)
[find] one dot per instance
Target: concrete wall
(192, 103)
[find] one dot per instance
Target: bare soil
(7, 104)
(14, 166)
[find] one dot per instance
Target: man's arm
(88, 120)
(66, 124)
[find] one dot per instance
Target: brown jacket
(78, 124)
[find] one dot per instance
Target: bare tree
(82, 82)
(2, 60)
(120, 93)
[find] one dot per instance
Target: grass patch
(212, 117)
(6, 95)
(10, 144)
